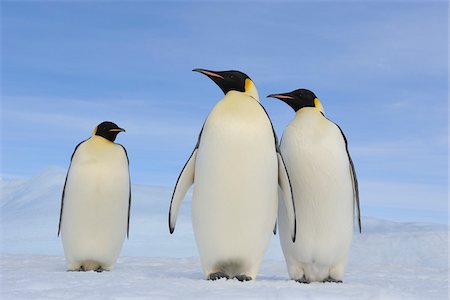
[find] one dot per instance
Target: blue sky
(379, 68)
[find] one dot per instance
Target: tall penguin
(95, 204)
(325, 191)
(236, 169)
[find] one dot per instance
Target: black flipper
(129, 193)
(354, 181)
(64, 189)
(275, 227)
(184, 182)
(284, 183)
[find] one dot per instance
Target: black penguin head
(299, 98)
(108, 130)
(229, 80)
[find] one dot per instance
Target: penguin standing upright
(95, 204)
(236, 169)
(325, 190)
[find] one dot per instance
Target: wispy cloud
(380, 69)
(56, 115)
(49, 128)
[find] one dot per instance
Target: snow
(390, 260)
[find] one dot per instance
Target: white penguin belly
(318, 165)
(95, 213)
(235, 191)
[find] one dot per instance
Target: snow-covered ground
(390, 260)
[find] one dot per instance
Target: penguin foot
(80, 269)
(218, 275)
(302, 280)
(243, 277)
(329, 279)
(99, 270)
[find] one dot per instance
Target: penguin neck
(100, 139)
(309, 113)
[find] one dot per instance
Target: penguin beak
(117, 130)
(286, 98)
(282, 97)
(208, 73)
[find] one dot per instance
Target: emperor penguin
(95, 203)
(325, 190)
(236, 169)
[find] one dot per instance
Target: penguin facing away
(236, 169)
(95, 203)
(325, 190)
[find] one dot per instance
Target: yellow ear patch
(250, 89)
(318, 105)
(95, 130)
(248, 83)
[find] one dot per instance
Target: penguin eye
(231, 76)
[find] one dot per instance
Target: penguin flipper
(184, 182)
(64, 189)
(354, 180)
(129, 192)
(62, 203)
(355, 191)
(285, 185)
(275, 227)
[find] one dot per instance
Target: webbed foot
(218, 275)
(329, 279)
(302, 280)
(243, 277)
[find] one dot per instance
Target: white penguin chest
(236, 130)
(314, 146)
(99, 170)
(316, 158)
(236, 165)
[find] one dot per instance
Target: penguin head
(108, 130)
(232, 81)
(299, 98)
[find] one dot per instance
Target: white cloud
(50, 116)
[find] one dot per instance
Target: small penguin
(96, 200)
(325, 190)
(236, 168)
